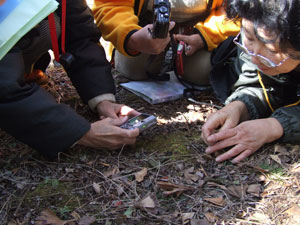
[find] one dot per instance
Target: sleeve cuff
(196, 31)
(100, 98)
(125, 44)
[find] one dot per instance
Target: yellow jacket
(116, 20)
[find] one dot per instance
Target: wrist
(130, 44)
(275, 129)
(85, 139)
(242, 110)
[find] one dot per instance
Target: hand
(106, 134)
(114, 110)
(2, 1)
(142, 41)
(245, 139)
(193, 42)
(228, 117)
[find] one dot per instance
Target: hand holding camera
(142, 122)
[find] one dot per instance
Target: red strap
(53, 33)
(63, 25)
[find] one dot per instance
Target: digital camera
(142, 121)
(161, 20)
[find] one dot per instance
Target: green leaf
(128, 212)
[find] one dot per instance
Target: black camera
(161, 21)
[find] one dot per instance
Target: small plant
(53, 182)
(275, 172)
(63, 211)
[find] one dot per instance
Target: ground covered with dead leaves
(166, 178)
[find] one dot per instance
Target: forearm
(241, 109)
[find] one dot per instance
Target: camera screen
(137, 119)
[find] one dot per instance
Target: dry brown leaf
(217, 201)
(96, 187)
(277, 159)
(87, 220)
(199, 222)
(237, 191)
(281, 149)
(211, 217)
(190, 177)
(260, 217)
(147, 202)
(172, 188)
(254, 167)
(294, 210)
(216, 185)
(139, 176)
(12, 222)
(111, 172)
(296, 168)
(47, 217)
(254, 189)
(76, 216)
(186, 217)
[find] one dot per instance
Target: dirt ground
(165, 178)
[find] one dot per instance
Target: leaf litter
(166, 178)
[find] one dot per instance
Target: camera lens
(163, 9)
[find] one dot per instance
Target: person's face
(2, 1)
(270, 51)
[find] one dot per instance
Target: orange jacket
(116, 19)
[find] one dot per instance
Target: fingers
(172, 25)
(116, 122)
(231, 153)
(242, 156)
(127, 111)
(213, 122)
(223, 138)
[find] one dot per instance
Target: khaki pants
(196, 67)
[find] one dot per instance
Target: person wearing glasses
(263, 106)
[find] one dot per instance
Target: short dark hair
(281, 17)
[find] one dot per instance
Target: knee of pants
(133, 68)
(197, 67)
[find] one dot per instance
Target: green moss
(53, 191)
(176, 143)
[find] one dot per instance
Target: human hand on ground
(106, 134)
(193, 42)
(114, 110)
(228, 117)
(244, 139)
(142, 41)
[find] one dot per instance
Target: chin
(267, 70)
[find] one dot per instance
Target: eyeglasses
(267, 62)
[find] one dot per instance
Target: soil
(165, 178)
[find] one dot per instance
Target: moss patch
(176, 143)
(54, 191)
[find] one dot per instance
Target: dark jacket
(32, 115)
(282, 90)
